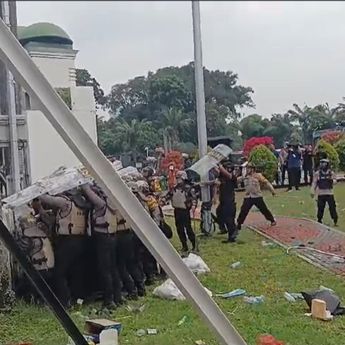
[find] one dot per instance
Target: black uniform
(227, 206)
(323, 186)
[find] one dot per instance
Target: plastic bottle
(108, 337)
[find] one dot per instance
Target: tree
(119, 136)
(280, 129)
(174, 124)
(339, 114)
(84, 78)
(312, 119)
(253, 126)
(150, 97)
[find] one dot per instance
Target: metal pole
(201, 115)
(74, 135)
(12, 115)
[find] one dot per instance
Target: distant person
(283, 155)
(322, 187)
(308, 164)
(276, 155)
(294, 160)
(253, 182)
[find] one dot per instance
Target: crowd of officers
(81, 244)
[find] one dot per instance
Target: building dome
(43, 32)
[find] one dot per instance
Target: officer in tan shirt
(253, 195)
(71, 223)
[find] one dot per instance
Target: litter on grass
(168, 290)
(231, 294)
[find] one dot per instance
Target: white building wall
(47, 150)
(56, 70)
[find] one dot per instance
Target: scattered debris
(135, 309)
(152, 331)
(168, 290)
(267, 244)
(297, 295)
(108, 337)
(254, 299)
(140, 333)
(182, 321)
(196, 264)
(268, 339)
(319, 310)
(80, 301)
(236, 264)
(94, 328)
(200, 342)
(331, 300)
(234, 293)
(289, 297)
(326, 288)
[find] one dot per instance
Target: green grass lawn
(264, 271)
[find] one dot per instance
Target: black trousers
(184, 228)
(322, 200)
(227, 214)
(27, 291)
(145, 259)
(128, 263)
(308, 172)
(294, 175)
(248, 203)
(69, 278)
(284, 170)
(106, 247)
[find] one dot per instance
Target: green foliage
(265, 161)
(120, 136)
(84, 78)
(340, 148)
(65, 94)
(166, 99)
(325, 150)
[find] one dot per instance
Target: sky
(288, 52)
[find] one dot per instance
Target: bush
(251, 143)
(265, 161)
(340, 148)
(325, 150)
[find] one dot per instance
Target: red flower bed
(255, 141)
(333, 137)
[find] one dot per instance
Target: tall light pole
(206, 221)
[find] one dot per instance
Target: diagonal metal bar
(42, 287)
(61, 118)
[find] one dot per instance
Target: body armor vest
(325, 180)
(38, 247)
(74, 223)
